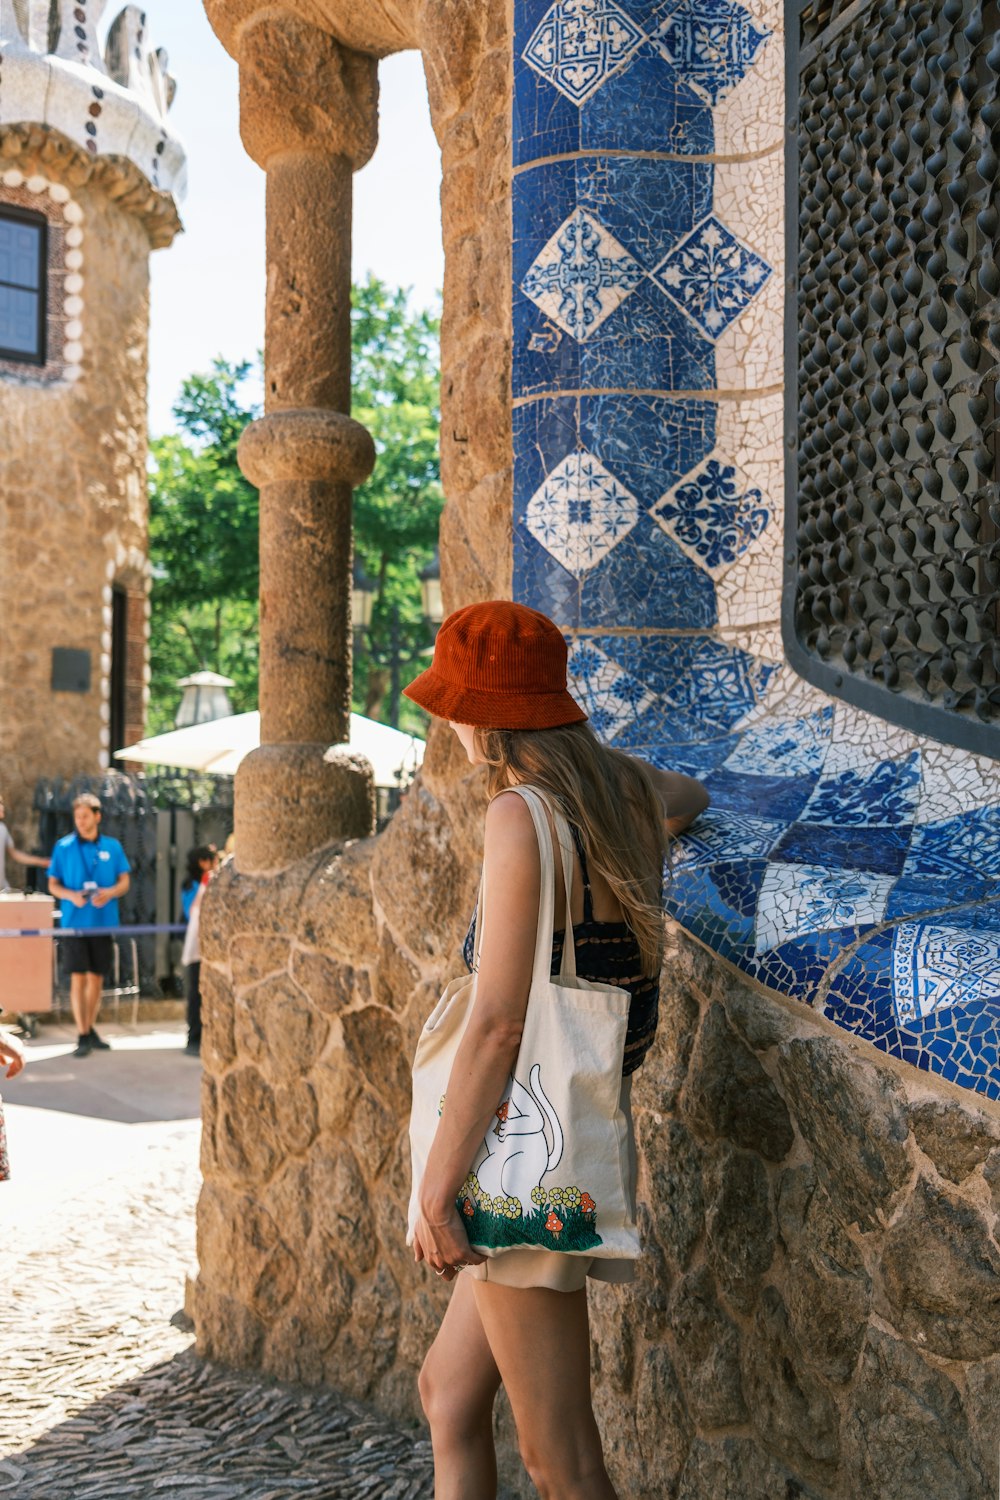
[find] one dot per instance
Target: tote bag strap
(538, 805)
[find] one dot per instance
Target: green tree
(204, 514)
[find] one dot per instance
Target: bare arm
(490, 1045)
(683, 798)
(63, 893)
(40, 861)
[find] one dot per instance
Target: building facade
(90, 178)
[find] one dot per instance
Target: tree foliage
(204, 514)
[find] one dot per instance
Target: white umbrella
(219, 745)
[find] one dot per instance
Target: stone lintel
(309, 445)
(300, 91)
(290, 801)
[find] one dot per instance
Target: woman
(499, 677)
(201, 863)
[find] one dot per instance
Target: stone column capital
(300, 91)
(306, 445)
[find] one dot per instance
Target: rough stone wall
(73, 500)
(818, 1307)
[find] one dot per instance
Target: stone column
(308, 115)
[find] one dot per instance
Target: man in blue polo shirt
(87, 875)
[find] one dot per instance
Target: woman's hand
(11, 1054)
(440, 1239)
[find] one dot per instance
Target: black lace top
(607, 952)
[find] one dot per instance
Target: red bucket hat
(498, 666)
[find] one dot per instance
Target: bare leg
(541, 1343)
(94, 983)
(458, 1385)
(78, 999)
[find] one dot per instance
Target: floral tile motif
(719, 835)
(790, 747)
(712, 276)
(712, 44)
(580, 43)
(580, 512)
(582, 275)
(720, 681)
(712, 516)
(938, 967)
(958, 846)
(883, 796)
(611, 697)
(799, 899)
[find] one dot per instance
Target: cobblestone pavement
(103, 1398)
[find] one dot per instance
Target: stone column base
(290, 800)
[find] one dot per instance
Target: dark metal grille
(892, 589)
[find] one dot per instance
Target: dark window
(22, 286)
(892, 588)
(119, 665)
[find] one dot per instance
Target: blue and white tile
(952, 781)
(880, 850)
(710, 44)
(715, 515)
(646, 582)
(721, 835)
(798, 899)
(579, 44)
(784, 747)
(880, 796)
(956, 847)
(751, 117)
(579, 512)
(581, 275)
(922, 895)
(611, 697)
(720, 681)
(649, 441)
(749, 199)
(712, 276)
(937, 966)
(647, 107)
(861, 740)
(781, 797)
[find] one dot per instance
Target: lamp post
(204, 696)
(393, 657)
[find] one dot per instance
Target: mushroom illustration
(552, 1224)
(468, 1209)
(587, 1203)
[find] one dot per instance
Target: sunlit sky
(208, 288)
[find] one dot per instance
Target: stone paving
(101, 1396)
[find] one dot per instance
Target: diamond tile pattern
(712, 276)
(580, 512)
(580, 43)
(711, 43)
(842, 862)
(581, 276)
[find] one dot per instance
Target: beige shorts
(549, 1268)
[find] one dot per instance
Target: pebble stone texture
(844, 862)
(103, 1398)
(84, 143)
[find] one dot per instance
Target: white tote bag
(553, 1170)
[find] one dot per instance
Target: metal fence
(157, 819)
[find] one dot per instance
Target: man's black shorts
(87, 955)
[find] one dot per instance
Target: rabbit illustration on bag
(515, 1155)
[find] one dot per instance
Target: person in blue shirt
(201, 866)
(87, 875)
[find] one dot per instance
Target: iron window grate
(892, 583)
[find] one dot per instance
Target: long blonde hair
(609, 798)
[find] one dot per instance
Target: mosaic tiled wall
(843, 862)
